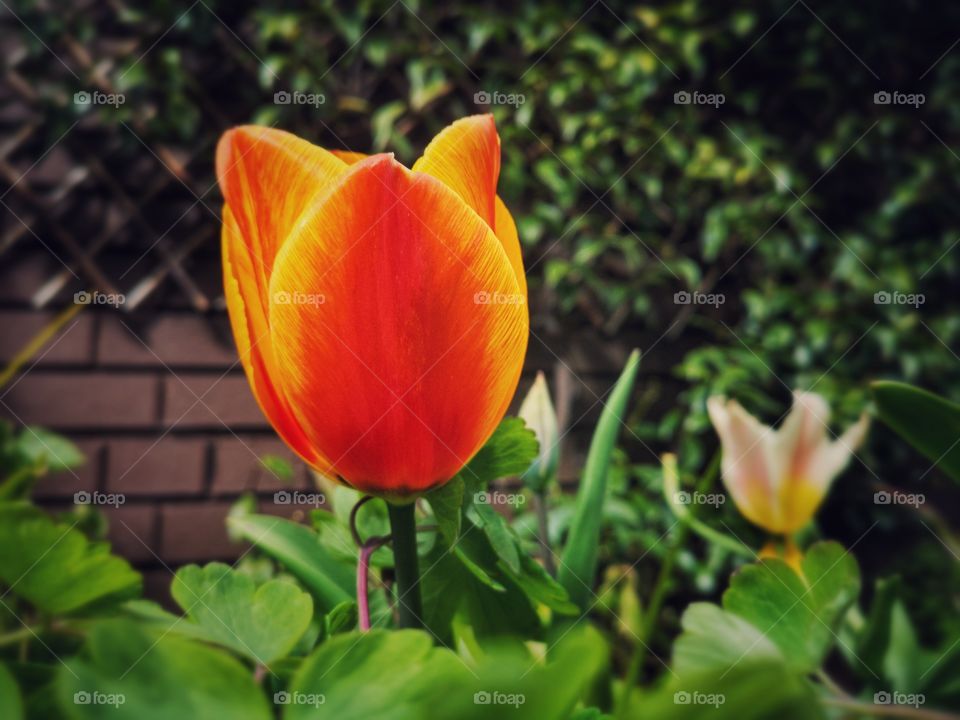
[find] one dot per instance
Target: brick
(72, 345)
(156, 587)
(170, 466)
(86, 477)
(226, 400)
(90, 401)
(196, 532)
(170, 339)
(237, 467)
(132, 532)
(20, 278)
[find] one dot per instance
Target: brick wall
(160, 406)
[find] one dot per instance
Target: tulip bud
(538, 413)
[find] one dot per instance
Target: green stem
(15, 636)
(403, 529)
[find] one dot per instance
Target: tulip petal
(254, 344)
(747, 463)
(402, 372)
(268, 178)
(465, 156)
(506, 230)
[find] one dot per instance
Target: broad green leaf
(379, 674)
(750, 691)
(262, 623)
(930, 423)
(10, 700)
(126, 673)
(54, 451)
(501, 538)
(799, 615)
(297, 548)
(446, 502)
(509, 451)
(578, 565)
(54, 566)
(716, 640)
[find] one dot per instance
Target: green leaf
(716, 640)
(799, 615)
(55, 567)
(378, 674)
(10, 699)
(509, 451)
(343, 618)
(262, 623)
(446, 502)
(297, 548)
(578, 564)
(278, 466)
(928, 422)
(127, 674)
(54, 451)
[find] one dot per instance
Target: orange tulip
(380, 313)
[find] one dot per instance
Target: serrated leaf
(509, 451)
(446, 502)
(298, 548)
(155, 678)
(262, 623)
(54, 451)
(798, 614)
(54, 566)
(716, 640)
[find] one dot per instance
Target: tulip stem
(403, 528)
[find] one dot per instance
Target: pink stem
(363, 573)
